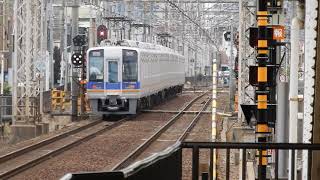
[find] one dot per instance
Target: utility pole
(231, 81)
(50, 48)
(91, 30)
(62, 46)
(195, 68)
(144, 22)
(74, 86)
(65, 50)
(213, 115)
(2, 72)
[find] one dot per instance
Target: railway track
(22, 159)
(35, 159)
(154, 139)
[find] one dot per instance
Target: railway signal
(102, 33)
(79, 40)
(77, 59)
(227, 36)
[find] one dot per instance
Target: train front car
(113, 86)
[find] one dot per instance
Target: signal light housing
(79, 40)
(102, 33)
(77, 59)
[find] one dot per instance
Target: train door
(113, 74)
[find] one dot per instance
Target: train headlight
(84, 81)
(130, 86)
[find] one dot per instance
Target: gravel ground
(27, 157)
(172, 104)
(201, 132)
(221, 154)
(7, 148)
(172, 134)
(107, 149)
(168, 138)
(104, 150)
(177, 103)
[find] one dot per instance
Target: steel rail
(38, 160)
(138, 151)
(194, 122)
(45, 142)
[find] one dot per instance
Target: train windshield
(130, 66)
(96, 65)
(113, 71)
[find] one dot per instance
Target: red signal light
(101, 33)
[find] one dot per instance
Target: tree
(6, 89)
(57, 64)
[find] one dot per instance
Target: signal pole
(262, 89)
(74, 86)
(65, 50)
(232, 77)
(213, 117)
(51, 46)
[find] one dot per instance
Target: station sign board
(278, 32)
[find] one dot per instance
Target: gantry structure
(194, 28)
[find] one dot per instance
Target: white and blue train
(132, 75)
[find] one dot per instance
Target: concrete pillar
(293, 93)
(282, 132)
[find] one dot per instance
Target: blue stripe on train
(113, 86)
(131, 85)
(95, 85)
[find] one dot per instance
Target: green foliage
(6, 89)
(57, 63)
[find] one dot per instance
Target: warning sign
(278, 32)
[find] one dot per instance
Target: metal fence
(47, 101)
(168, 164)
(5, 107)
(245, 147)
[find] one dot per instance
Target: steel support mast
(27, 60)
(246, 54)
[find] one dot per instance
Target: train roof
(135, 45)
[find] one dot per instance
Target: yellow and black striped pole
(214, 113)
(262, 89)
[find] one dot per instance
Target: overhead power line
(194, 22)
